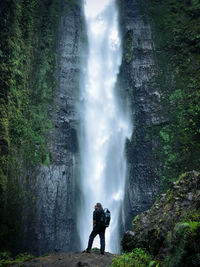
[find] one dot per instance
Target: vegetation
(170, 230)
(128, 47)
(137, 258)
(177, 40)
(27, 53)
(6, 259)
(183, 242)
(182, 246)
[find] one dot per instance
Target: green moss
(95, 249)
(192, 215)
(29, 30)
(47, 160)
(135, 219)
(128, 48)
(169, 238)
(6, 259)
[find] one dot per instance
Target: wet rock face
(171, 221)
(137, 70)
(51, 225)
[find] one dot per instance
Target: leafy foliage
(6, 259)
(137, 258)
(183, 243)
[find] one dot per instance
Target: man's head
(98, 206)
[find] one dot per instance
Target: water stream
(104, 125)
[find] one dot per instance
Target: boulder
(172, 223)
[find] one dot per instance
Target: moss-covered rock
(128, 49)
(170, 230)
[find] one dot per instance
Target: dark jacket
(97, 216)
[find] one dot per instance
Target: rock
(71, 259)
(127, 241)
(135, 84)
(190, 196)
(161, 229)
(49, 224)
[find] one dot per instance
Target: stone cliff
(137, 71)
(50, 224)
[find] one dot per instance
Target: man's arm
(94, 219)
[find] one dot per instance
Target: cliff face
(51, 225)
(137, 70)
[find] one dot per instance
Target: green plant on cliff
(137, 258)
(184, 249)
(27, 53)
(177, 40)
(6, 259)
(128, 47)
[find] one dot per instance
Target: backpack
(105, 218)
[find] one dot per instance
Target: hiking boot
(102, 253)
(86, 251)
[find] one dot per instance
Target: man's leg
(102, 240)
(91, 238)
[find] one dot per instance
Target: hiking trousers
(97, 231)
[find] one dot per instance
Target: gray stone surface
(136, 78)
(50, 217)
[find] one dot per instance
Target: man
(97, 229)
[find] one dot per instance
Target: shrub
(6, 260)
(137, 258)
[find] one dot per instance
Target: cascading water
(104, 125)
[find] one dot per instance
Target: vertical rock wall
(51, 223)
(137, 70)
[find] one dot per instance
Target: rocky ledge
(71, 259)
(170, 230)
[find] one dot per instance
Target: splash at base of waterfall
(105, 126)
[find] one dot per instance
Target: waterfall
(105, 125)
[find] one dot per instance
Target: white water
(104, 125)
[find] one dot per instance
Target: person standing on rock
(98, 229)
